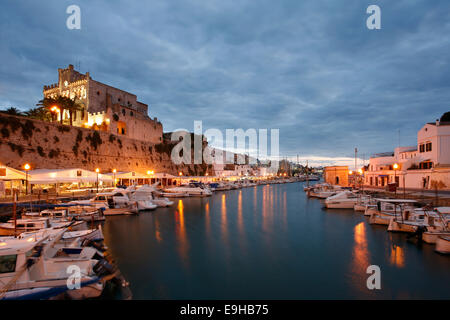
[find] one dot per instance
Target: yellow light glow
(360, 171)
(97, 170)
(180, 173)
(54, 109)
(30, 240)
(2, 244)
(150, 172)
(114, 170)
(350, 172)
(27, 166)
(395, 166)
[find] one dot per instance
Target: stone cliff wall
(51, 146)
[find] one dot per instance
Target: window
(371, 180)
(98, 93)
(422, 148)
(124, 112)
(131, 113)
(426, 165)
(428, 146)
(8, 263)
(78, 173)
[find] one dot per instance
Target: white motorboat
(39, 268)
(18, 226)
(323, 191)
(116, 202)
(342, 200)
(149, 193)
(192, 189)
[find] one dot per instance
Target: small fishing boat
(387, 209)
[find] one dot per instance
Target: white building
(425, 166)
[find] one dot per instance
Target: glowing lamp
(27, 166)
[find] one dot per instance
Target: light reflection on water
(267, 242)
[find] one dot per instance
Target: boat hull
(443, 245)
(397, 226)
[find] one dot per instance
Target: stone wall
(51, 146)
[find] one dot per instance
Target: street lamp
(27, 167)
(55, 110)
(180, 174)
(395, 176)
(114, 177)
(97, 170)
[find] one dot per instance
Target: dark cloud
(310, 68)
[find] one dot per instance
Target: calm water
(268, 242)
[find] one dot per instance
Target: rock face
(51, 146)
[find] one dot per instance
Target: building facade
(425, 166)
(336, 175)
(104, 107)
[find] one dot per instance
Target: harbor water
(268, 242)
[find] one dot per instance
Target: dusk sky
(309, 68)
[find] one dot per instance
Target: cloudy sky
(310, 68)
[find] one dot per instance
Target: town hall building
(104, 107)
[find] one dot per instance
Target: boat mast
(307, 174)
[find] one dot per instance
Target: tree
(63, 103)
(49, 103)
(445, 117)
(13, 111)
(40, 113)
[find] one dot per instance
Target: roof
(382, 154)
(444, 123)
(65, 175)
(410, 149)
(138, 175)
(13, 174)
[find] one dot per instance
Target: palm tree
(40, 113)
(63, 103)
(68, 104)
(49, 103)
(13, 111)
